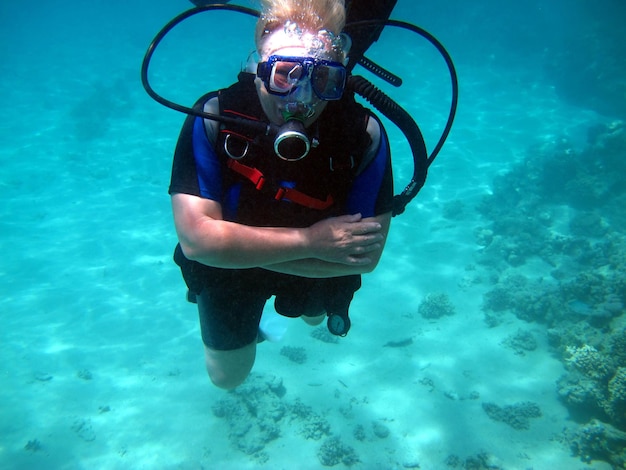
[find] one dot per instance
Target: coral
(484, 236)
(589, 361)
(253, 412)
(521, 342)
(569, 333)
(294, 354)
(498, 299)
(616, 403)
(359, 432)
(315, 427)
(380, 430)
(618, 348)
(529, 300)
(578, 227)
(453, 210)
(599, 441)
(453, 461)
(324, 335)
(334, 451)
(517, 415)
(582, 396)
(482, 461)
(436, 306)
(588, 224)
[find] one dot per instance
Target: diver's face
(298, 101)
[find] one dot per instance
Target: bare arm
(340, 245)
(320, 268)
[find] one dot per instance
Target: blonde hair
(310, 15)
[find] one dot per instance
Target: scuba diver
(282, 183)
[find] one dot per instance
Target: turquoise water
(102, 361)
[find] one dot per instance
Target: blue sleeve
(208, 166)
(372, 191)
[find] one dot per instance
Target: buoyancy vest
(265, 190)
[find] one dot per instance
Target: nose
(303, 93)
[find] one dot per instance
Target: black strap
(363, 37)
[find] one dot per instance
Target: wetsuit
(231, 301)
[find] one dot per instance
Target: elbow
(194, 248)
(201, 245)
(374, 259)
(368, 268)
(212, 254)
(196, 251)
(189, 249)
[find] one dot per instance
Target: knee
(228, 369)
(227, 380)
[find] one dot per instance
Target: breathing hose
(409, 128)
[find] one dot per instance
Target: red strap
(300, 198)
(291, 194)
(252, 174)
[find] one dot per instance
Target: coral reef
(616, 402)
(294, 354)
(517, 416)
(253, 412)
(257, 413)
(324, 335)
(576, 231)
(599, 441)
(380, 430)
(453, 210)
(334, 451)
(589, 361)
(521, 342)
(480, 461)
(582, 397)
(436, 305)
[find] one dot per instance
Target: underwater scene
(492, 334)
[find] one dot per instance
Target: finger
(366, 248)
(351, 218)
(368, 239)
(367, 228)
(358, 260)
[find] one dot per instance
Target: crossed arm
(337, 246)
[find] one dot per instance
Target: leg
(230, 309)
(228, 369)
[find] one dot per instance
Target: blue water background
(86, 278)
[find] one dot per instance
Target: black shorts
(230, 301)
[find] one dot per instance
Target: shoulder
(211, 127)
(374, 129)
(377, 147)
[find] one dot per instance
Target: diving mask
(282, 74)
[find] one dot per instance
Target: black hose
(396, 114)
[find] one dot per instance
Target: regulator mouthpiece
(292, 143)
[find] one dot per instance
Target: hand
(346, 239)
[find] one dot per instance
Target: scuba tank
(288, 136)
